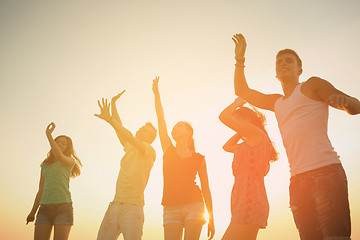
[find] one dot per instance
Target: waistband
(320, 169)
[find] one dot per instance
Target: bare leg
(173, 231)
(193, 230)
(42, 231)
(61, 232)
(241, 231)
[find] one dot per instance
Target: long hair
(70, 152)
(191, 130)
(258, 119)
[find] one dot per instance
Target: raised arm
(31, 216)
(249, 131)
(231, 144)
(55, 148)
(256, 98)
(115, 115)
(121, 131)
(163, 133)
(322, 90)
(205, 189)
(114, 112)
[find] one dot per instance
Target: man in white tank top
(318, 185)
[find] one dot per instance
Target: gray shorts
(124, 218)
(55, 214)
(180, 214)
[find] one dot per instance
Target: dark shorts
(55, 214)
(319, 203)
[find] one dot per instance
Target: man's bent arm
(327, 93)
(242, 89)
(256, 98)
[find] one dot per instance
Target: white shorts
(127, 219)
(181, 214)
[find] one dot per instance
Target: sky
(59, 57)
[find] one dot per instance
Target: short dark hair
(290, 51)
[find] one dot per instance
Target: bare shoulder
(319, 89)
(313, 86)
(314, 82)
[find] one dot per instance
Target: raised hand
(104, 110)
(240, 46)
(115, 98)
(155, 86)
(50, 128)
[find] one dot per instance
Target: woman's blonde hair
(70, 152)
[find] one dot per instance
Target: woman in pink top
(249, 203)
(182, 198)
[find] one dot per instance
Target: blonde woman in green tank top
(53, 196)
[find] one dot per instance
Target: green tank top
(56, 183)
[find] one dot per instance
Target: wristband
(240, 60)
(239, 65)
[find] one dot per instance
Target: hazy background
(57, 58)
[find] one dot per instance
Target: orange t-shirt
(179, 178)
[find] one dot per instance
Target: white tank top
(303, 126)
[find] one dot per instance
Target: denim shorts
(319, 203)
(55, 214)
(181, 214)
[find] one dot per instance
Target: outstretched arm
(115, 115)
(163, 133)
(205, 189)
(31, 216)
(231, 144)
(55, 148)
(114, 111)
(258, 99)
(121, 131)
(249, 131)
(327, 93)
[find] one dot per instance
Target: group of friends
(318, 185)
